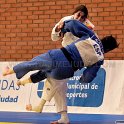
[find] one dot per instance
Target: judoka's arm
(56, 31)
(77, 28)
(55, 35)
(90, 72)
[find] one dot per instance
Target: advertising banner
(104, 95)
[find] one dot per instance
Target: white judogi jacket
(68, 37)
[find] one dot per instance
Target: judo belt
(71, 61)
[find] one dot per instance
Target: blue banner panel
(86, 94)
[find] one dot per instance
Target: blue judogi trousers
(53, 64)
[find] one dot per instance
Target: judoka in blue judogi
(88, 51)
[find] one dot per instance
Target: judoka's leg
(47, 95)
(49, 90)
(60, 101)
(41, 62)
(38, 108)
(34, 78)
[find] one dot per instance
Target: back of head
(83, 9)
(109, 43)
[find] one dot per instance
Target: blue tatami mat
(46, 118)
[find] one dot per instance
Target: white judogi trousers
(58, 92)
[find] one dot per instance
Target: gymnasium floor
(45, 118)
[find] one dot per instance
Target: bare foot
(19, 82)
(36, 109)
(24, 81)
(29, 107)
(7, 71)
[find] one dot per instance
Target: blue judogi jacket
(82, 50)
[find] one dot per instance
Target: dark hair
(109, 43)
(83, 9)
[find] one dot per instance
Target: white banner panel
(104, 95)
(113, 102)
